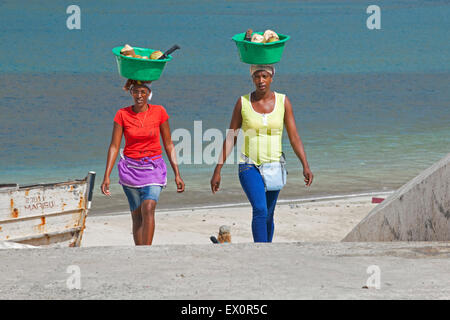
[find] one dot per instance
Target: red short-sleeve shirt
(141, 130)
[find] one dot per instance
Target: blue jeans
(136, 196)
(263, 203)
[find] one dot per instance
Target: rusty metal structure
(46, 214)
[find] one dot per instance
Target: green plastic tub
(260, 53)
(139, 69)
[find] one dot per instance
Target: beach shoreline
(303, 220)
(100, 207)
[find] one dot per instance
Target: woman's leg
(137, 226)
(134, 200)
(272, 197)
(148, 221)
(149, 198)
(253, 186)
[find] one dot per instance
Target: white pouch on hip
(274, 174)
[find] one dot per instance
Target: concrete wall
(418, 211)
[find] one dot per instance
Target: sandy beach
(326, 220)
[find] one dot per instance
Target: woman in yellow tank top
(262, 116)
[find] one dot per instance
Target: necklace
(145, 116)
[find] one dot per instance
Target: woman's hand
(215, 182)
(180, 184)
(296, 142)
(308, 176)
(171, 154)
(105, 187)
(113, 151)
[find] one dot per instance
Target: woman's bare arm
(296, 141)
(171, 154)
(113, 151)
(228, 144)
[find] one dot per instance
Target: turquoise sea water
(372, 106)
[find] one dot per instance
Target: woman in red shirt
(142, 171)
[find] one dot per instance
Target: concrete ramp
(418, 211)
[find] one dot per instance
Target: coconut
(270, 35)
(127, 51)
(156, 55)
(272, 39)
(257, 38)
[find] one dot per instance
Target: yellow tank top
(262, 132)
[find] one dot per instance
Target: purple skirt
(143, 172)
